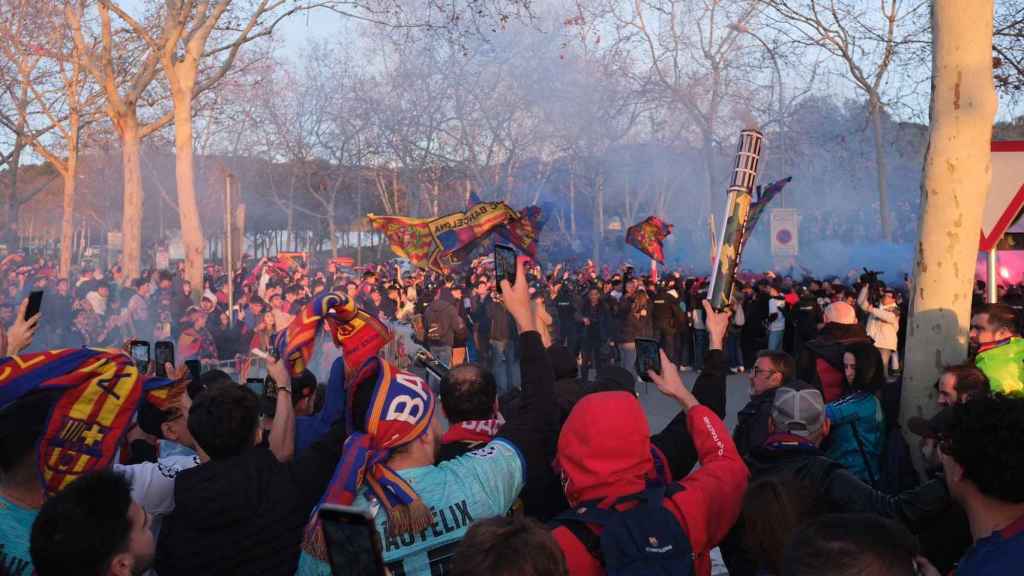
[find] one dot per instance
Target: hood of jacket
(604, 449)
(834, 339)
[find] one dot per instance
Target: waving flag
(757, 208)
(460, 229)
(359, 335)
(649, 236)
(410, 238)
(101, 391)
(521, 232)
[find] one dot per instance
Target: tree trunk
(131, 218)
(188, 209)
(957, 177)
(67, 224)
(572, 202)
(883, 193)
(332, 227)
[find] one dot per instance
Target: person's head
(799, 412)
(604, 445)
(62, 286)
(850, 545)
(960, 383)
(594, 295)
(103, 290)
(170, 423)
(888, 298)
(351, 289)
(376, 296)
(468, 392)
(224, 421)
(862, 365)
(142, 286)
(992, 323)
(981, 453)
(268, 320)
(771, 370)
(773, 509)
(508, 546)
(396, 413)
(22, 423)
(840, 313)
(92, 527)
(276, 301)
(304, 393)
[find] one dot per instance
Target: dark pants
(668, 337)
(700, 348)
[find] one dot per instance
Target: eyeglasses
(759, 371)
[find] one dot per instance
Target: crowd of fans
(532, 455)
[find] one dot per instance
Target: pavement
(661, 410)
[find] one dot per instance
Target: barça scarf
(473, 430)
(102, 390)
(649, 236)
(359, 335)
(401, 410)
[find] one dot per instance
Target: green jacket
(1004, 366)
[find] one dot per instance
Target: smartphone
(163, 352)
(648, 357)
(35, 301)
(353, 545)
(504, 264)
(139, 350)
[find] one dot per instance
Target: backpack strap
(864, 455)
(590, 539)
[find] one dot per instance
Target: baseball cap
(798, 412)
(934, 427)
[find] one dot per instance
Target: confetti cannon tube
(737, 209)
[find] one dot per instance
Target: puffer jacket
(883, 322)
(857, 434)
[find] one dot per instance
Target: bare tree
(865, 39)
(50, 69)
(957, 177)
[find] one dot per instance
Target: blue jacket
(862, 412)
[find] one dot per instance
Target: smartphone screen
(164, 353)
(35, 301)
(139, 349)
(648, 357)
(504, 264)
(353, 545)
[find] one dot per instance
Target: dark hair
(1000, 316)
(508, 546)
(773, 509)
(870, 374)
(850, 545)
(970, 380)
(82, 528)
(303, 386)
(468, 393)
(984, 438)
(223, 419)
(782, 362)
(21, 424)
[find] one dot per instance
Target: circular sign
(783, 236)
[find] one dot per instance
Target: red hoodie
(604, 453)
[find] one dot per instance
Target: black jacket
(246, 515)
(838, 490)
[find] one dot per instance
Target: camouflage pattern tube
(737, 209)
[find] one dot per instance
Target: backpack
(645, 540)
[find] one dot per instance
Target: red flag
(649, 236)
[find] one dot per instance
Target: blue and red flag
(649, 237)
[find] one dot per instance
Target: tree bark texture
(957, 177)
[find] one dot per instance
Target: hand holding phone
(504, 264)
(35, 302)
(163, 352)
(353, 544)
(648, 358)
(140, 353)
